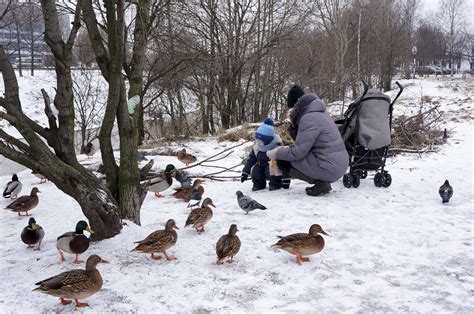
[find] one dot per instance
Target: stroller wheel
(379, 179)
(363, 174)
(347, 180)
(355, 181)
(388, 180)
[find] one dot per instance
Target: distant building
(22, 33)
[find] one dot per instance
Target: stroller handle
(390, 109)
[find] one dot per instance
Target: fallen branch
(411, 151)
(213, 159)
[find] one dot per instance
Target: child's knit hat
(265, 132)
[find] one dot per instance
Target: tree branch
(76, 24)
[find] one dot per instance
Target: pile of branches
(419, 133)
(247, 132)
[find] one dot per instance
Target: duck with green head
(74, 242)
(32, 235)
(163, 182)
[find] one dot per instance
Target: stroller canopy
(369, 120)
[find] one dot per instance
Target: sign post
(414, 51)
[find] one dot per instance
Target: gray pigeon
(247, 203)
(446, 191)
(182, 177)
(141, 157)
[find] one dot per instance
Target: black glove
(243, 177)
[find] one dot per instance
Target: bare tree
(89, 103)
(50, 150)
(451, 18)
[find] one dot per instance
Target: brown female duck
(185, 193)
(25, 203)
(198, 217)
(185, 157)
(302, 244)
(228, 245)
(74, 284)
(159, 241)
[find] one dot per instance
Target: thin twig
(211, 159)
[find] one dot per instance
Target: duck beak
(212, 204)
(323, 232)
(176, 227)
(33, 226)
(104, 261)
(88, 229)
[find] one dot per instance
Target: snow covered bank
(389, 250)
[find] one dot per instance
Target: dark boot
(319, 188)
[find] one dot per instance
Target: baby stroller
(366, 131)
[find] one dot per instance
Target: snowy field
(388, 250)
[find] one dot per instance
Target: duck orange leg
(64, 302)
(77, 260)
(304, 259)
(169, 258)
(157, 194)
(298, 259)
(155, 257)
(61, 256)
(79, 304)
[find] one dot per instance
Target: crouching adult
(318, 155)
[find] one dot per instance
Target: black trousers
(293, 173)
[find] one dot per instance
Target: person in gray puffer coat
(318, 154)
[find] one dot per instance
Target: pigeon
(13, 188)
(247, 203)
(182, 177)
(141, 157)
(446, 191)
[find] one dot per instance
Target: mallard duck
(40, 176)
(185, 157)
(196, 196)
(32, 234)
(302, 244)
(74, 242)
(185, 194)
(74, 284)
(89, 150)
(25, 203)
(161, 183)
(159, 241)
(200, 216)
(13, 188)
(228, 245)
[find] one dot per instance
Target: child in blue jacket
(258, 165)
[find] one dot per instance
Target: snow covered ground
(388, 250)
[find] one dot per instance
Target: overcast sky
(433, 6)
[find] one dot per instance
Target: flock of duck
(79, 284)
